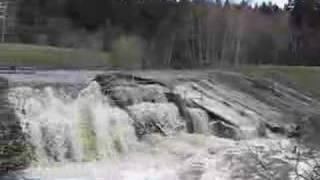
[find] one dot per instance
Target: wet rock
(129, 95)
(126, 90)
(163, 118)
(276, 100)
(277, 129)
(107, 81)
(209, 98)
(238, 106)
(222, 129)
(309, 130)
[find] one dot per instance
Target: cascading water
(87, 137)
(63, 128)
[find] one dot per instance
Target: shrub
(127, 52)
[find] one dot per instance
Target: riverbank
(48, 57)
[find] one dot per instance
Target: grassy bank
(51, 57)
(306, 78)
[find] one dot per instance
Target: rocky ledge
(224, 104)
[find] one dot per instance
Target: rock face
(163, 118)
(126, 90)
(14, 150)
(225, 104)
(145, 101)
(130, 95)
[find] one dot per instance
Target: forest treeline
(177, 34)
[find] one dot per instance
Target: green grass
(307, 78)
(51, 57)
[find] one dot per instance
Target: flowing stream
(80, 134)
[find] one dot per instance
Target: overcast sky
(278, 2)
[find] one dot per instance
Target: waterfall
(84, 134)
(64, 128)
(200, 121)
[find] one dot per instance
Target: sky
(280, 3)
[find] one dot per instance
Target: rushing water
(82, 135)
(63, 128)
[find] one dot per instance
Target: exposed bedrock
(163, 118)
(223, 104)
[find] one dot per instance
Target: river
(79, 133)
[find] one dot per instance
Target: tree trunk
(199, 39)
(168, 57)
(238, 50)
